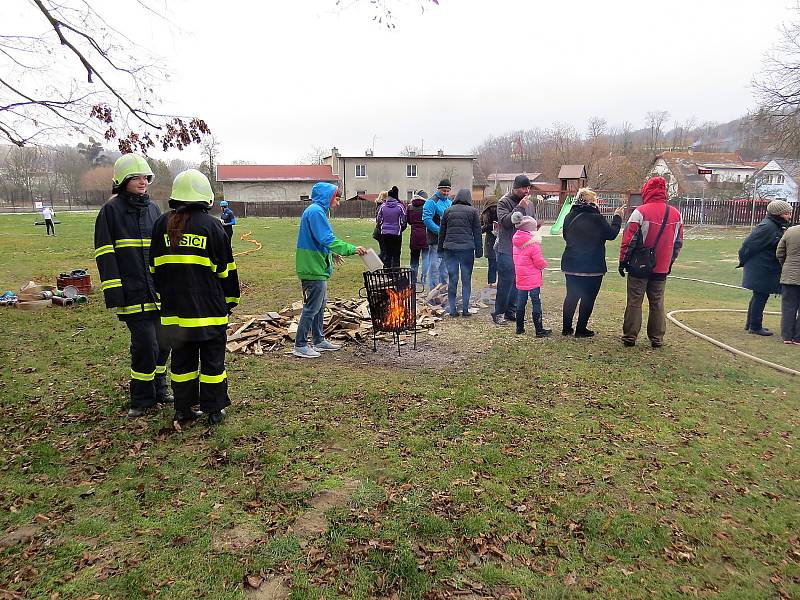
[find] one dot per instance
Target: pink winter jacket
(528, 262)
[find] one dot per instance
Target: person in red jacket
(643, 228)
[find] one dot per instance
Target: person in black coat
(584, 259)
(488, 228)
(762, 271)
(460, 235)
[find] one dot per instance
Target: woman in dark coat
(418, 240)
(584, 259)
(488, 225)
(460, 236)
(762, 271)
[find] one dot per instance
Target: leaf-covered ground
(483, 465)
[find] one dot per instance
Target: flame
(396, 315)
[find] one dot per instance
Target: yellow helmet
(192, 186)
(131, 165)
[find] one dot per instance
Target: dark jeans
(584, 290)
(50, 227)
(149, 354)
(415, 254)
(505, 302)
(381, 246)
(492, 270)
(311, 319)
(790, 312)
(755, 311)
(522, 301)
(464, 261)
(392, 246)
(199, 376)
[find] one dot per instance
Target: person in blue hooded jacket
(317, 248)
(432, 213)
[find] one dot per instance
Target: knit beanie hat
(524, 222)
(394, 192)
(779, 207)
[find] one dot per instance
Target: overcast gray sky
(275, 78)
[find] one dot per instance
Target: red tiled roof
(275, 173)
(511, 176)
(545, 188)
(367, 197)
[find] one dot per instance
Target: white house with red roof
(271, 183)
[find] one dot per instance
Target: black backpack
(642, 260)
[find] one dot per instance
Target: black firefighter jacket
(197, 281)
(122, 251)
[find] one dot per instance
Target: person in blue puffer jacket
(432, 213)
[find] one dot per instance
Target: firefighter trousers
(149, 354)
(198, 374)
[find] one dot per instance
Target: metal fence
(695, 211)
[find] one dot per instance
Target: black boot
(215, 418)
(566, 327)
(187, 415)
(540, 329)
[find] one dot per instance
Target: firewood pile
(345, 320)
(437, 298)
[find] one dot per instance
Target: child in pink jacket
(528, 265)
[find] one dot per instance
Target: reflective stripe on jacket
(122, 233)
(197, 281)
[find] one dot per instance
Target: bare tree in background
(209, 165)
(383, 13)
(410, 150)
(314, 156)
(176, 165)
(655, 123)
(82, 75)
(22, 169)
(778, 91)
(69, 166)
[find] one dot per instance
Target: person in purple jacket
(392, 220)
(419, 237)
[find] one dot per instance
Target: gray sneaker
(305, 352)
(326, 346)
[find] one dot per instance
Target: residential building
(271, 183)
(369, 174)
(504, 181)
(778, 180)
(728, 173)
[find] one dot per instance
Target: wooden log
(245, 326)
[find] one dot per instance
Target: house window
(411, 170)
(409, 195)
(361, 170)
(779, 179)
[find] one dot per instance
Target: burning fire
(397, 315)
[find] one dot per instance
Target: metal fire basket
(392, 298)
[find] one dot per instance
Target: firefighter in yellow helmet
(122, 252)
(194, 272)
